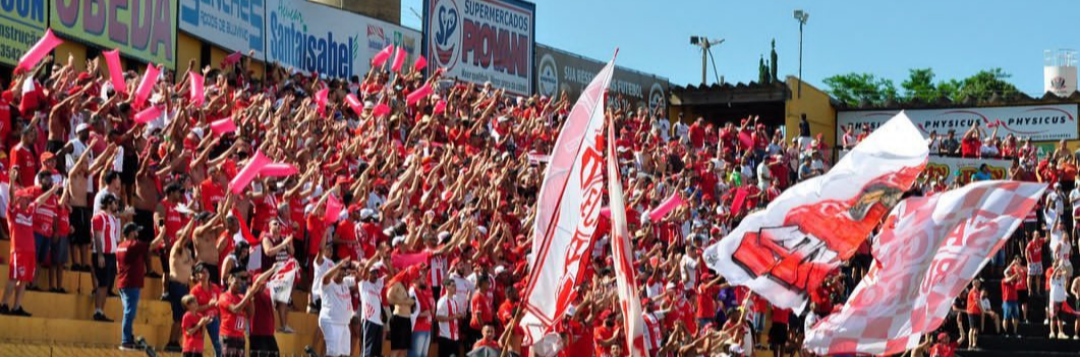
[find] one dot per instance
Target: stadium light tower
(706, 54)
(801, 16)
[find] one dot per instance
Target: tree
(854, 88)
(985, 84)
(920, 85)
(772, 63)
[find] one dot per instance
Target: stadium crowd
(430, 249)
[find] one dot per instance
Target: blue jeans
(213, 330)
(130, 299)
(421, 340)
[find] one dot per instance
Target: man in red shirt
(606, 334)
(697, 134)
(1009, 297)
(21, 228)
(974, 313)
(49, 249)
(235, 307)
(131, 256)
(24, 163)
(482, 308)
(944, 347)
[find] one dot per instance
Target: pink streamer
(746, 139)
(278, 170)
(146, 84)
(418, 94)
(399, 60)
(421, 64)
(333, 209)
(116, 71)
(382, 56)
(440, 107)
(148, 114)
(198, 93)
(320, 100)
(355, 104)
(380, 110)
(41, 49)
(223, 126)
(248, 173)
(401, 261)
(665, 207)
(232, 58)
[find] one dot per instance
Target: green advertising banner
(143, 29)
(22, 23)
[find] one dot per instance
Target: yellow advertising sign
(22, 23)
(143, 29)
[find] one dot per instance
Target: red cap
(46, 156)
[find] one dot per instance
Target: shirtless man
(208, 247)
(181, 264)
(79, 188)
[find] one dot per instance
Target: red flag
(567, 211)
(739, 201)
(936, 246)
(231, 58)
(320, 100)
(440, 107)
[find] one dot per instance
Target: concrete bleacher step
(1028, 344)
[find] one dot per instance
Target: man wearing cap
(51, 250)
(23, 248)
(944, 346)
(106, 230)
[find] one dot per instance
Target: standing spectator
(1009, 298)
(1056, 303)
(371, 323)
(448, 314)
(193, 324)
(1033, 253)
(397, 295)
(106, 228)
(206, 297)
(950, 146)
(181, 264)
(49, 249)
(804, 127)
(21, 228)
(482, 308)
(778, 332)
(131, 257)
(336, 284)
(487, 339)
(278, 248)
(974, 313)
(235, 307)
(79, 187)
(261, 339)
(422, 317)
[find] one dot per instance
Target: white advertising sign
(1039, 122)
(235, 25)
(339, 44)
(483, 41)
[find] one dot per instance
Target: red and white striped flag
(788, 249)
(626, 283)
(567, 212)
(929, 250)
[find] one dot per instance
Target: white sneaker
(1046, 322)
(287, 329)
(1052, 336)
(1062, 336)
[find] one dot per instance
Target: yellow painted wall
(819, 111)
(74, 49)
(188, 48)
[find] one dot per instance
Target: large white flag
(633, 320)
(929, 250)
(787, 249)
(567, 211)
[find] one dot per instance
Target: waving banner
(787, 249)
(567, 212)
(622, 251)
(929, 251)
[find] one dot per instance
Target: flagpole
(504, 340)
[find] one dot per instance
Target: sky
(886, 38)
